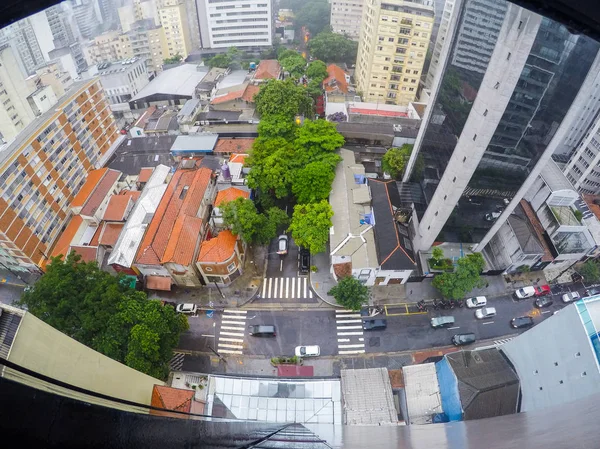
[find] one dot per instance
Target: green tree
(590, 271)
(313, 182)
(317, 140)
(437, 255)
(350, 293)
(395, 159)
(284, 99)
(244, 220)
(175, 59)
(294, 64)
(310, 225)
(96, 309)
(317, 71)
(222, 61)
(466, 277)
(332, 47)
(314, 88)
(314, 15)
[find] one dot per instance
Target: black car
(592, 292)
(543, 301)
(522, 321)
(374, 325)
(463, 339)
(304, 261)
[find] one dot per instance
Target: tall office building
(21, 37)
(394, 38)
(438, 44)
(346, 17)
(86, 17)
(174, 20)
(146, 41)
(235, 23)
(43, 168)
(493, 126)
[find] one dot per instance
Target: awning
(158, 283)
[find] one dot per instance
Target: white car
(477, 301)
(282, 245)
(187, 308)
(485, 312)
(525, 292)
(571, 296)
(308, 351)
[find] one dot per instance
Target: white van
(485, 312)
(477, 301)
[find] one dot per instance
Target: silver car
(571, 296)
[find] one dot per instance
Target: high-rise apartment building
(174, 20)
(346, 17)
(21, 37)
(394, 38)
(146, 41)
(43, 168)
(442, 32)
(86, 17)
(235, 23)
(487, 135)
(138, 10)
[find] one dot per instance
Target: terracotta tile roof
(238, 158)
(267, 69)
(590, 200)
(243, 145)
(172, 398)
(158, 283)
(117, 205)
(336, 79)
(64, 241)
(182, 244)
(379, 112)
(87, 253)
(96, 237)
(250, 92)
(230, 194)
(183, 197)
(228, 97)
(110, 233)
(134, 194)
(92, 180)
(145, 174)
(218, 249)
(100, 193)
(539, 229)
(141, 122)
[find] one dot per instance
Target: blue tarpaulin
(449, 390)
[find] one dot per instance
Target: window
(485, 113)
(231, 267)
(209, 269)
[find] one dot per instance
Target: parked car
(282, 244)
(592, 292)
(442, 321)
(542, 290)
(477, 301)
(463, 339)
(544, 301)
(571, 296)
(525, 292)
(304, 261)
(307, 351)
(492, 216)
(187, 308)
(485, 312)
(521, 321)
(257, 330)
(374, 325)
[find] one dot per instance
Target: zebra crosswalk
(350, 336)
(176, 362)
(232, 332)
(501, 342)
(286, 288)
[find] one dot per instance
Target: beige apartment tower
(173, 18)
(394, 37)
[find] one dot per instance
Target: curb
(334, 305)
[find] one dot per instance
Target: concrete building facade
(174, 20)
(346, 17)
(21, 37)
(43, 168)
(393, 43)
(122, 80)
(440, 40)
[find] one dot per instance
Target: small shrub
(313, 268)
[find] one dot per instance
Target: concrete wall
(45, 350)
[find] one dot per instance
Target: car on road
(544, 301)
(442, 321)
(374, 325)
(258, 330)
(282, 245)
(525, 292)
(542, 290)
(190, 309)
(592, 292)
(307, 351)
(491, 216)
(304, 261)
(485, 312)
(521, 322)
(477, 301)
(571, 296)
(463, 339)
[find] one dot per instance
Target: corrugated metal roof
(368, 397)
(181, 81)
(422, 391)
(204, 143)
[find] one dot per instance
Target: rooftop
(368, 397)
(218, 249)
(229, 96)
(233, 79)
(136, 153)
(178, 81)
(172, 398)
(337, 79)
(91, 181)
(117, 206)
(188, 108)
(87, 253)
(524, 231)
(212, 78)
(230, 194)
(100, 193)
(422, 392)
(141, 122)
(555, 178)
(110, 233)
(66, 237)
(195, 144)
(145, 174)
(267, 69)
(241, 145)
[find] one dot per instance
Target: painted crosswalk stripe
(235, 328)
(287, 287)
(352, 346)
(230, 351)
(270, 284)
(357, 351)
(281, 289)
(304, 288)
(233, 334)
(243, 312)
(264, 289)
(235, 340)
(227, 345)
(343, 340)
(350, 333)
(350, 315)
(344, 311)
(275, 288)
(310, 295)
(347, 321)
(348, 327)
(299, 289)
(235, 317)
(292, 290)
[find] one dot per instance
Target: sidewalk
(322, 281)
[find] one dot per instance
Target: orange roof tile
(338, 75)
(228, 97)
(250, 92)
(145, 174)
(158, 283)
(64, 241)
(110, 233)
(267, 69)
(100, 193)
(218, 249)
(593, 202)
(243, 145)
(182, 244)
(134, 194)
(183, 197)
(87, 253)
(117, 205)
(238, 158)
(92, 180)
(230, 194)
(96, 237)
(141, 122)
(172, 398)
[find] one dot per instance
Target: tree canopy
(317, 71)
(282, 98)
(314, 15)
(98, 310)
(313, 182)
(310, 225)
(175, 59)
(332, 47)
(244, 220)
(234, 59)
(293, 63)
(590, 271)
(465, 277)
(395, 159)
(350, 293)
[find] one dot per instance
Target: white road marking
(244, 312)
(361, 339)
(281, 265)
(310, 294)
(358, 351)
(343, 340)
(299, 289)
(348, 327)
(292, 289)
(275, 288)
(264, 290)
(233, 322)
(233, 328)
(457, 327)
(281, 288)
(270, 283)
(233, 334)
(235, 340)
(226, 345)
(229, 351)
(304, 288)
(350, 333)
(349, 315)
(210, 336)
(547, 311)
(488, 322)
(344, 311)
(352, 346)
(287, 287)
(348, 321)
